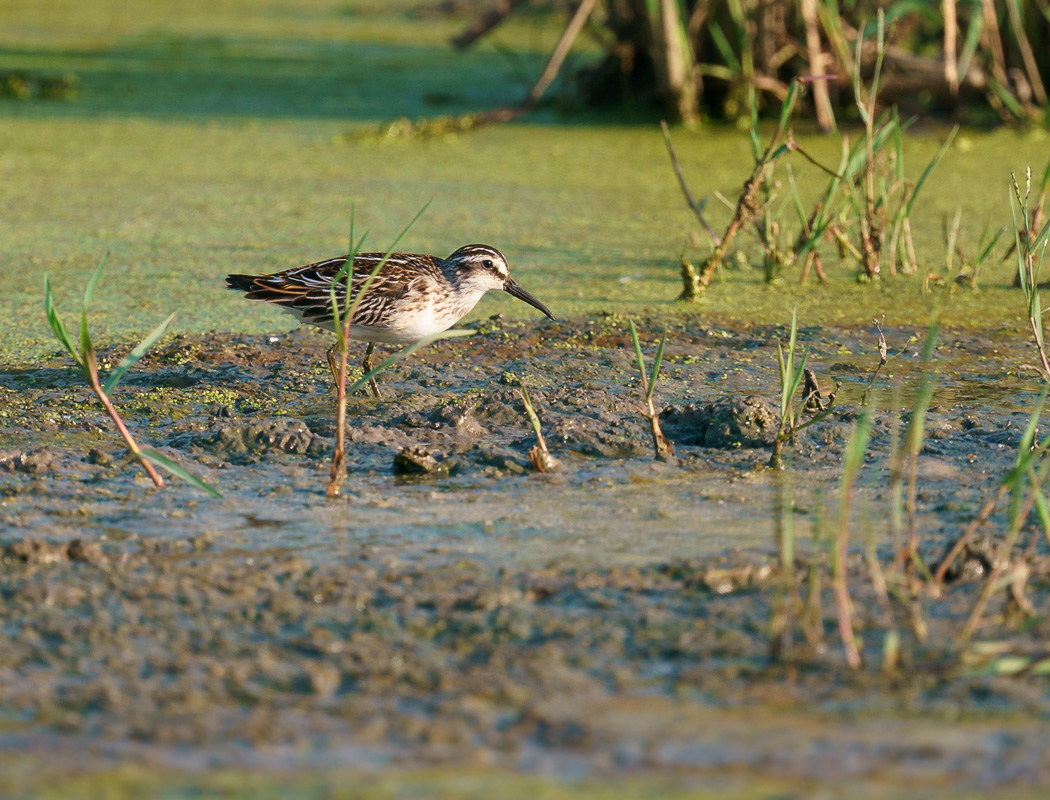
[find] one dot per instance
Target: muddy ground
(609, 617)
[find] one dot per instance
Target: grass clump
(865, 210)
(790, 415)
(86, 358)
(539, 456)
(661, 444)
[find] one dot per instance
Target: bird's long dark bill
(511, 288)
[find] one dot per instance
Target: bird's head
(484, 268)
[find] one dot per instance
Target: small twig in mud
(1012, 580)
(661, 444)
(883, 358)
(87, 360)
(843, 242)
(539, 456)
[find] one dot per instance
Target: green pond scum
(598, 632)
(204, 143)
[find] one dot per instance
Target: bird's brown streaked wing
(390, 284)
(308, 289)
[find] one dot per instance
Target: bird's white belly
(408, 327)
(406, 322)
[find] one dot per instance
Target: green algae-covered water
(206, 139)
(493, 623)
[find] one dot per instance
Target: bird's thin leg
(366, 367)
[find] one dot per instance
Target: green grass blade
(1044, 182)
(382, 262)
(89, 292)
(720, 41)
(162, 460)
(57, 326)
(756, 143)
(859, 155)
(858, 94)
(880, 55)
(785, 398)
(800, 370)
(346, 275)
(787, 106)
(1022, 272)
(801, 426)
(656, 366)
(1024, 448)
(796, 198)
(1039, 499)
(855, 448)
(1007, 97)
(1041, 237)
(990, 246)
(929, 168)
(637, 347)
(973, 36)
(364, 379)
(898, 146)
(136, 354)
(923, 397)
(87, 349)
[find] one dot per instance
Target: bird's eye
(487, 262)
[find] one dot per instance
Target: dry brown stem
(1027, 55)
(747, 207)
(695, 207)
(951, 35)
(662, 445)
(338, 470)
(817, 64)
(539, 456)
(676, 69)
(561, 49)
(133, 446)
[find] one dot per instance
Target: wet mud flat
(613, 616)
